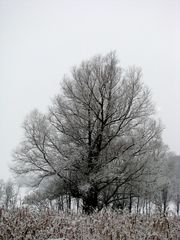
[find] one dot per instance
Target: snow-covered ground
(104, 225)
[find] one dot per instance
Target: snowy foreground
(105, 225)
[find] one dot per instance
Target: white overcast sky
(41, 40)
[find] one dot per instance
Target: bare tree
(173, 170)
(99, 133)
(8, 194)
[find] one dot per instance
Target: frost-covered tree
(8, 194)
(173, 169)
(98, 135)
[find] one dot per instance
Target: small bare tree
(8, 194)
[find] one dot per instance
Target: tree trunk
(130, 203)
(69, 202)
(90, 200)
(77, 204)
(177, 203)
(164, 197)
(138, 203)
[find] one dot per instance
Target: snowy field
(105, 225)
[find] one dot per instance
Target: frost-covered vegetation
(104, 225)
(99, 146)
(99, 141)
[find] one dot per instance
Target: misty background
(41, 40)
